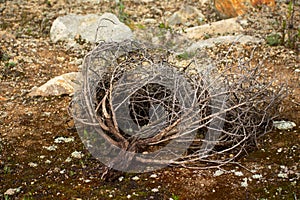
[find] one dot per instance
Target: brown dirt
(29, 124)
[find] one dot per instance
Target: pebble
(155, 190)
(121, 178)
(238, 173)
(257, 176)
(153, 176)
(135, 178)
(64, 140)
(245, 182)
(50, 148)
(218, 173)
(284, 125)
(32, 164)
(13, 191)
(77, 154)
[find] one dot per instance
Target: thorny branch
(228, 109)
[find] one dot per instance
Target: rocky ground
(41, 155)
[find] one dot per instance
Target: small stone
(155, 190)
(12, 191)
(48, 161)
(238, 173)
(245, 182)
(77, 154)
(218, 173)
(121, 178)
(135, 178)
(279, 150)
(32, 164)
(128, 196)
(257, 176)
(51, 148)
(68, 159)
(153, 176)
(284, 125)
(282, 175)
(64, 140)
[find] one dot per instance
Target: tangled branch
(138, 109)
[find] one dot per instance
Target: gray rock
(90, 27)
(227, 26)
(242, 39)
(59, 85)
(184, 14)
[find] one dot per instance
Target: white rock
(284, 125)
(77, 154)
(155, 190)
(238, 173)
(32, 164)
(106, 27)
(242, 39)
(50, 148)
(12, 191)
(227, 26)
(59, 85)
(184, 14)
(64, 140)
(256, 176)
(282, 175)
(279, 150)
(135, 178)
(245, 182)
(48, 161)
(153, 176)
(218, 173)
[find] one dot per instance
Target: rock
(77, 154)
(185, 14)
(2, 98)
(106, 27)
(242, 39)
(284, 125)
(59, 85)
(227, 26)
(64, 139)
(218, 173)
(12, 191)
(233, 8)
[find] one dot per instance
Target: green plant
(175, 197)
(185, 55)
(164, 26)
(28, 196)
(290, 34)
(274, 39)
(6, 197)
(72, 173)
(123, 16)
(7, 169)
(4, 56)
